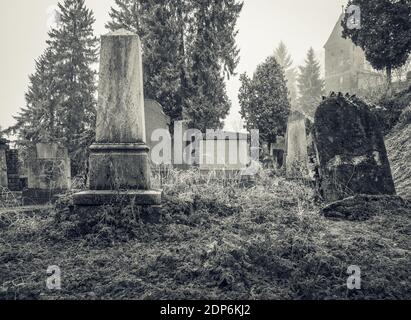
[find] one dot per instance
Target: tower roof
(336, 34)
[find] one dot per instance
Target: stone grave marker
(278, 151)
(13, 169)
(48, 173)
(351, 153)
(119, 169)
(3, 164)
(297, 152)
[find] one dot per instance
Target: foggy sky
(262, 25)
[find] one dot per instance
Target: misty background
(300, 24)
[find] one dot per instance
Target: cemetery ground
(215, 240)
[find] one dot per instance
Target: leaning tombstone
(119, 169)
(351, 154)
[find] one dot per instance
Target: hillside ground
(216, 240)
(398, 144)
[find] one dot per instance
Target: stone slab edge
(99, 198)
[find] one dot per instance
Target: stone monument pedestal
(119, 166)
(104, 197)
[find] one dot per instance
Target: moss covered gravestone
(119, 169)
(350, 148)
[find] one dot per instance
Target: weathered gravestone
(278, 151)
(297, 152)
(48, 173)
(155, 120)
(350, 149)
(119, 169)
(13, 170)
(3, 164)
(224, 151)
(49, 168)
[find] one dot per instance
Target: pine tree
(75, 51)
(160, 26)
(264, 102)
(310, 84)
(60, 102)
(38, 121)
(213, 54)
(283, 57)
(128, 15)
(165, 66)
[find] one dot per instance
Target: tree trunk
(182, 53)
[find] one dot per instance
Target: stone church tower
(346, 68)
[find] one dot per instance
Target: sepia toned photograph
(178, 151)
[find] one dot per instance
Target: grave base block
(119, 166)
(108, 197)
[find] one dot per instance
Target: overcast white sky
(262, 25)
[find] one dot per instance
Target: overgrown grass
(216, 240)
(8, 199)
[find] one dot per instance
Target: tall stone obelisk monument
(119, 165)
